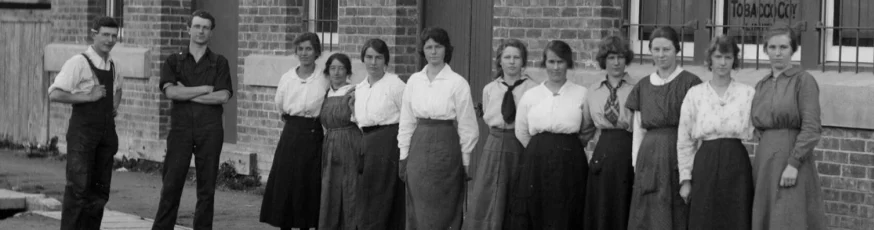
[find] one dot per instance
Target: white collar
(656, 80)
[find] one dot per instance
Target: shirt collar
(92, 54)
(623, 81)
(440, 75)
(206, 54)
(341, 90)
(366, 82)
(791, 72)
(560, 90)
(501, 78)
(656, 80)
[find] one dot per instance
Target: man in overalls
(199, 82)
(90, 83)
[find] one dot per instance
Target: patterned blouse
(707, 116)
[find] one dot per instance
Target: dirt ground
(131, 192)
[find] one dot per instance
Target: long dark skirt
(611, 176)
(550, 190)
(655, 200)
(381, 192)
(291, 198)
(722, 186)
(487, 200)
(435, 177)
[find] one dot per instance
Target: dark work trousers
(206, 145)
(91, 143)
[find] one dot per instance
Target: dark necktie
(611, 108)
(508, 106)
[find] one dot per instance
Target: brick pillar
(266, 28)
(158, 25)
(580, 23)
(394, 21)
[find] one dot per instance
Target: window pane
(748, 19)
(666, 12)
(854, 13)
(326, 15)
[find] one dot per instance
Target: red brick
(836, 157)
(829, 168)
(853, 171)
(863, 159)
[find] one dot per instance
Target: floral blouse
(707, 116)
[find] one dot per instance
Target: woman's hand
(788, 179)
(685, 190)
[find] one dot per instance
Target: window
(115, 10)
(322, 20)
(643, 22)
(851, 38)
(747, 20)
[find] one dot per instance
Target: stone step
(114, 220)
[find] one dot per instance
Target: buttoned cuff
(795, 162)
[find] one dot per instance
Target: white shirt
(342, 91)
(301, 97)
(447, 97)
(707, 116)
(542, 111)
(76, 76)
(640, 132)
(493, 98)
(379, 103)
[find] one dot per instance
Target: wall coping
(129, 61)
(266, 70)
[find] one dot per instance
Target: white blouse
(542, 111)
(447, 97)
(342, 91)
(707, 116)
(301, 97)
(493, 98)
(379, 103)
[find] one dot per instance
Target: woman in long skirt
(786, 111)
(610, 176)
(377, 112)
(715, 170)
(550, 190)
(291, 198)
(487, 200)
(434, 153)
(656, 100)
(341, 147)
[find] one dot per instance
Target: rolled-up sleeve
(223, 79)
(70, 77)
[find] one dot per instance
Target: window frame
(332, 38)
(836, 53)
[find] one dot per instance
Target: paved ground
(132, 192)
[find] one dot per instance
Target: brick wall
(394, 21)
(143, 120)
(71, 19)
(580, 23)
(845, 162)
(266, 28)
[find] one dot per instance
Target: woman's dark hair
(377, 45)
(202, 14)
(666, 33)
(562, 50)
(515, 43)
(343, 58)
(613, 45)
(312, 38)
(440, 36)
(782, 29)
(726, 45)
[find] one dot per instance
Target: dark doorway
(469, 24)
(224, 42)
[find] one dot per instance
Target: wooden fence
(23, 81)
